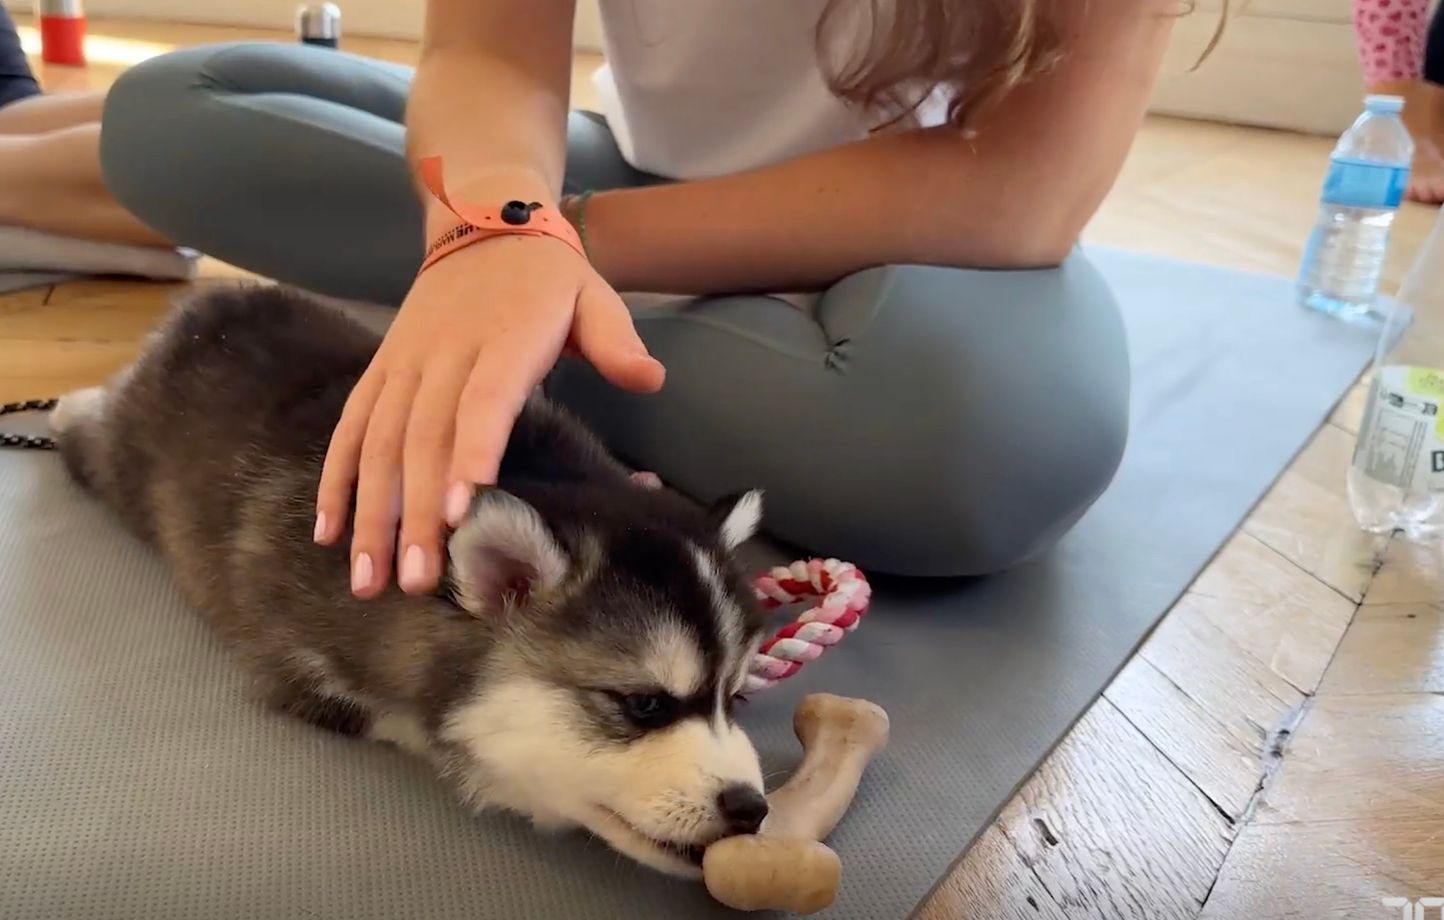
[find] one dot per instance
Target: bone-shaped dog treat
(786, 866)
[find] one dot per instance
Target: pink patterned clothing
(1390, 36)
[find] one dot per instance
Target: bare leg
(52, 182)
(50, 112)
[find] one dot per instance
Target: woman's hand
(430, 418)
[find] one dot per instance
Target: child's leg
(1390, 39)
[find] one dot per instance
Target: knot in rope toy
(843, 595)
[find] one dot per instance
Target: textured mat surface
(137, 782)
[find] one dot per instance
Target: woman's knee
(285, 160)
(926, 422)
(1004, 398)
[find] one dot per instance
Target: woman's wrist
(574, 209)
(468, 222)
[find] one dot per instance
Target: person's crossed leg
(54, 206)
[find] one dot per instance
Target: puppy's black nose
(743, 807)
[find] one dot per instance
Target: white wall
(1281, 63)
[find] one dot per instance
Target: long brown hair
(977, 50)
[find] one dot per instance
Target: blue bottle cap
(1384, 105)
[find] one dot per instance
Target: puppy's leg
(333, 713)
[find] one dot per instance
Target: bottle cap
(319, 24)
(1384, 105)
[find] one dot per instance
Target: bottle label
(1401, 442)
(1364, 184)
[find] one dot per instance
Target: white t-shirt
(700, 88)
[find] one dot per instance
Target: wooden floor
(1275, 750)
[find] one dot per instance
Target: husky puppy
(579, 666)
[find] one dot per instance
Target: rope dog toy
(843, 596)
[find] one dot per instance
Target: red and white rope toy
(843, 595)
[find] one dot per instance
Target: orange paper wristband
(479, 222)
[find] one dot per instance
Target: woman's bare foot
(1424, 117)
(1426, 177)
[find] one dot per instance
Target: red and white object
(62, 32)
(842, 598)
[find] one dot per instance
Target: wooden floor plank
(1410, 573)
(992, 882)
(1336, 870)
(1366, 759)
(1208, 706)
(1391, 648)
(1306, 517)
(1272, 609)
(1353, 816)
(92, 311)
(1396, 644)
(1113, 830)
(19, 301)
(39, 370)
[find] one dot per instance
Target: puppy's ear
(736, 517)
(503, 555)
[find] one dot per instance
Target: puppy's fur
(580, 665)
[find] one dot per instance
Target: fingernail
(458, 500)
(361, 573)
(320, 533)
(413, 568)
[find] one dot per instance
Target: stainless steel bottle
(319, 24)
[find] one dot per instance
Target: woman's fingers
(489, 404)
(426, 465)
(603, 333)
(378, 498)
(343, 458)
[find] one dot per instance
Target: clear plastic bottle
(1368, 171)
(1396, 478)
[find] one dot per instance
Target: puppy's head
(623, 639)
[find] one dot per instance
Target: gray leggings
(924, 421)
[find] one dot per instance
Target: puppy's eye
(650, 710)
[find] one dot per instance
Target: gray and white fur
(579, 665)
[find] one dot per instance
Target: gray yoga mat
(137, 782)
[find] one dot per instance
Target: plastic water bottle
(1368, 171)
(1396, 478)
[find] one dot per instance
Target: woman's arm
(429, 419)
(1016, 193)
(490, 97)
